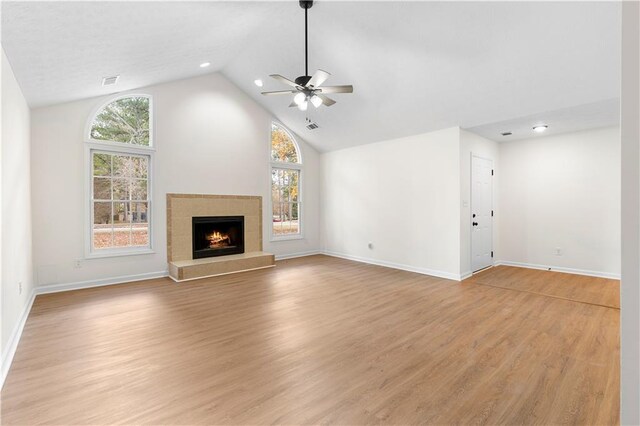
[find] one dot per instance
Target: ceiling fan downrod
(302, 80)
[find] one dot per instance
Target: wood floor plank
(319, 340)
(579, 288)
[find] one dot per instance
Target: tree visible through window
(123, 120)
(120, 175)
(285, 183)
(282, 147)
(120, 200)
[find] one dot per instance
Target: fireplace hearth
(217, 236)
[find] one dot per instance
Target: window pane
(139, 212)
(121, 189)
(286, 219)
(140, 225)
(121, 224)
(122, 236)
(139, 189)
(282, 146)
(140, 236)
(124, 120)
(292, 185)
(101, 188)
(121, 214)
(139, 167)
(130, 166)
(102, 228)
(101, 164)
(119, 168)
(102, 214)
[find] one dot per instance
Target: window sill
(119, 253)
(287, 238)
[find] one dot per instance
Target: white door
(481, 213)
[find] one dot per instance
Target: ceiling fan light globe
(303, 106)
(300, 98)
(316, 101)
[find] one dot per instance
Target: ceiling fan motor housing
(302, 80)
(306, 4)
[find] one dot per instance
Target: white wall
(403, 196)
(562, 191)
(210, 138)
(472, 144)
(17, 267)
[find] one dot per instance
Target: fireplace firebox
(217, 236)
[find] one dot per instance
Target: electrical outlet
(77, 264)
(20, 287)
(558, 251)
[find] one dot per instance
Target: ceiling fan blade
(280, 92)
(336, 89)
(327, 101)
(284, 80)
(318, 78)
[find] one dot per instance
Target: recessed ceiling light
(258, 82)
(541, 128)
(205, 64)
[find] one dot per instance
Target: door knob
(475, 223)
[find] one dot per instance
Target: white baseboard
(598, 274)
(55, 288)
(14, 339)
(300, 254)
(409, 268)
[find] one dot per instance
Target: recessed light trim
(205, 64)
(258, 82)
(540, 128)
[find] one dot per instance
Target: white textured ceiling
(415, 66)
(565, 120)
(60, 51)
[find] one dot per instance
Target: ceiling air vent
(311, 125)
(110, 81)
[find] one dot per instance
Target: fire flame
(217, 239)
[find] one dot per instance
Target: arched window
(119, 155)
(286, 197)
(125, 120)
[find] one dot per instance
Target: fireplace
(217, 236)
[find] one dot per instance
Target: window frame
(119, 148)
(299, 166)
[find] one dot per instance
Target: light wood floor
(317, 340)
(597, 291)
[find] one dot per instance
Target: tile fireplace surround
(181, 208)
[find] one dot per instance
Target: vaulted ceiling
(415, 66)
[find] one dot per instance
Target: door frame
(472, 155)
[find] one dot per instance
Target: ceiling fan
(308, 88)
